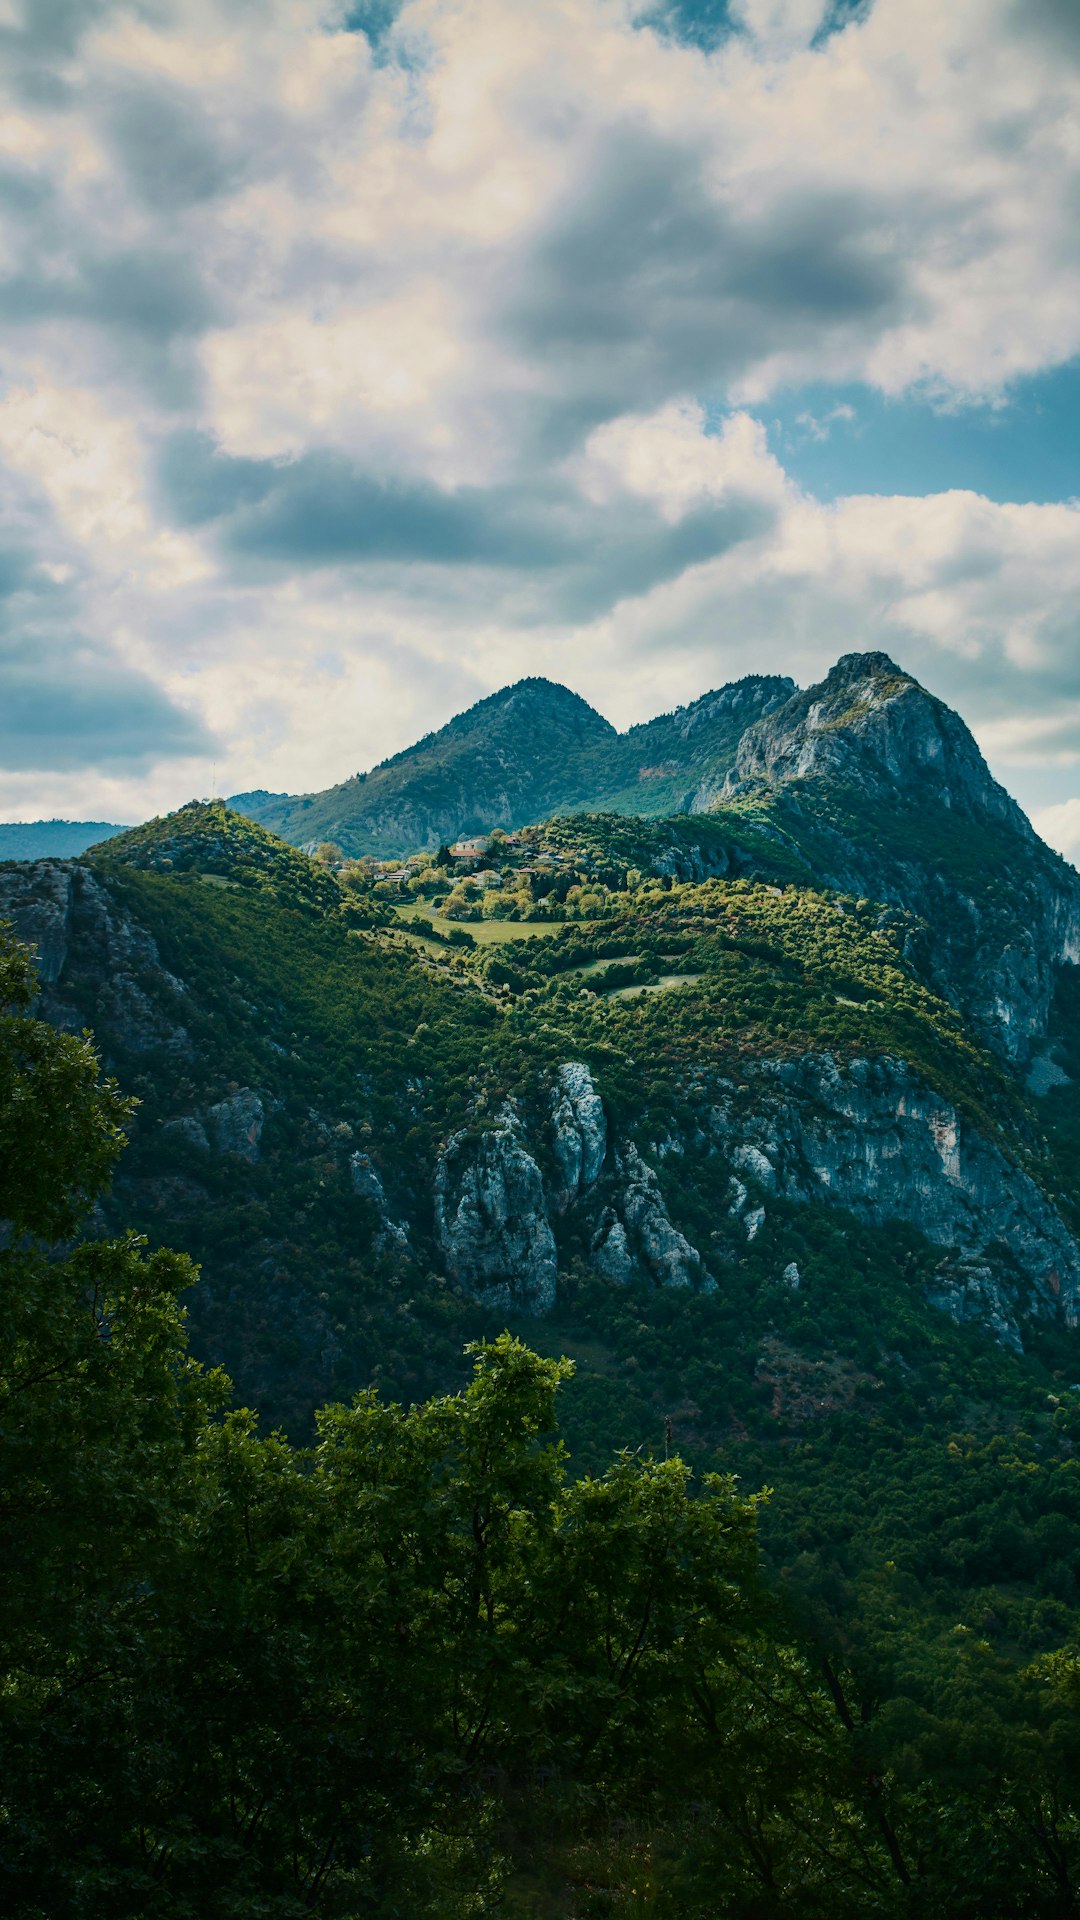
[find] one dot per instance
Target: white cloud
(1060, 827)
(519, 273)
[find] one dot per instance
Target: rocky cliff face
(557, 1178)
(873, 1138)
(868, 1136)
(886, 793)
(60, 908)
(869, 724)
(579, 1133)
(491, 1220)
(635, 1235)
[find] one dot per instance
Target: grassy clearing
(663, 985)
(486, 933)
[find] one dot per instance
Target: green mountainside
(768, 1118)
(531, 750)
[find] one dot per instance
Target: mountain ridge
(523, 753)
(60, 839)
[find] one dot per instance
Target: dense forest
(427, 1664)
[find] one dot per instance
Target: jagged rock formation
(872, 1137)
(367, 1182)
(579, 1133)
(36, 900)
(636, 1232)
(871, 725)
(235, 1124)
(491, 1222)
(883, 790)
(59, 907)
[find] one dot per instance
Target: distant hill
(525, 753)
(52, 839)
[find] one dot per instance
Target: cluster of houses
(468, 860)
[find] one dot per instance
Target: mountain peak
(872, 726)
(866, 666)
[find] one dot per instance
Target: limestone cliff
(872, 1137)
(491, 1221)
(884, 793)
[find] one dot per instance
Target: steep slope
(882, 792)
(371, 1142)
(678, 762)
(506, 760)
(524, 753)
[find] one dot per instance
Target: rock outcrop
(884, 788)
(635, 1233)
(872, 1137)
(61, 909)
(188, 1128)
(36, 899)
(869, 724)
(235, 1124)
(366, 1181)
(491, 1222)
(579, 1133)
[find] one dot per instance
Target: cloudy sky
(358, 359)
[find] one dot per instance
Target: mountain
(61, 839)
(529, 751)
(881, 790)
(849, 979)
(767, 1116)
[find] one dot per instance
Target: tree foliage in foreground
(417, 1669)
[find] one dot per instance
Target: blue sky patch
(852, 439)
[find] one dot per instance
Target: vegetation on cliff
(423, 1666)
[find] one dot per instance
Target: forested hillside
(766, 1120)
(424, 1666)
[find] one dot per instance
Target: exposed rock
(868, 723)
(235, 1124)
(490, 1221)
(873, 1137)
(61, 908)
(750, 1159)
(579, 1132)
(791, 1276)
(367, 1182)
(610, 1250)
(638, 1231)
(188, 1127)
(36, 899)
(753, 1222)
(873, 734)
(968, 1290)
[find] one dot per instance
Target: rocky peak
(870, 724)
(749, 698)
